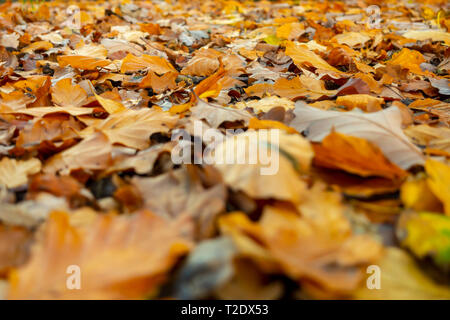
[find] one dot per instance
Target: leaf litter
(93, 100)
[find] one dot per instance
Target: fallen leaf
(354, 155)
(83, 62)
(304, 57)
(382, 128)
(362, 101)
(434, 35)
(156, 64)
(216, 115)
(302, 87)
(272, 153)
(426, 234)
(133, 128)
(402, 279)
(439, 181)
(140, 262)
(65, 94)
(93, 153)
(266, 104)
(14, 173)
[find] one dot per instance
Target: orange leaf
(354, 155)
(111, 106)
(159, 84)
(150, 28)
(119, 257)
(210, 87)
(259, 90)
(66, 94)
(38, 45)
(83, 62)
(304, 57)
(363, 101)
(255, 123)
(408, 59)
(156, 64)
(302, 86)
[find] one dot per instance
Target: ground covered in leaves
(91, 97)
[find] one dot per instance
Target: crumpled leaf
(408, 59)
(93, 153)
(305, 247)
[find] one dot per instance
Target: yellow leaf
(439, 181)
(256, 124)
(14, 173)
(402, 279)
(133, 128)
(426, 235)
(416, 194)
(111, 106)
(266, 104)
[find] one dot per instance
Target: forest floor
(225, 150)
